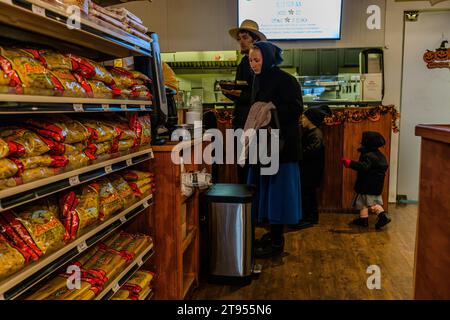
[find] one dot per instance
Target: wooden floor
(329, 261)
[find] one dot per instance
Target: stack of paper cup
(193, 116)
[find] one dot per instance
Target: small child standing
(371, 168)
(312, 163)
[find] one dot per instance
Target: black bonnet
(372, 139)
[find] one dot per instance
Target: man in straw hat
(246, 35)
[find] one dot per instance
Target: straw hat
(250, 26)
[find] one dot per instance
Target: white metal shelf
(43, 18)
(126, 274)
(32, 274)
(15, 104)
(150, 295)
(15, 196)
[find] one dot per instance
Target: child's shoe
(383, 220)
(362, 222)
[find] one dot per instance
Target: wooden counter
(342, 139)
(432, 259)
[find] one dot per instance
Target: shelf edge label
(123, 107)
(10, 3)
(82, 246)
(123, 219)
(142, 106)
(78, 107)
(105, 107)
(146, 204)
(38, 10)
(2, 297)
(140, 263)
(129, 163)
(108, 169)
(73, 181)
(116, 288)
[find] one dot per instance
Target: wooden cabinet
(328, 59)
(309, 62)
(325, 62)
(350, 57)
(432, 259)
(288, 58)
(318, 62)
(175, 223)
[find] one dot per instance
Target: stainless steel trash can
(230, 231)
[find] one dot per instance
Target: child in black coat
(371, 168)
(312, 163)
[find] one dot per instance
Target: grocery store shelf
(13, 197)
(188, 281)
(20, 282)
(150, 295)
(15, 104)
(189, 238)
(51, 21)
(115, 285)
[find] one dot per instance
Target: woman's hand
(236, 93)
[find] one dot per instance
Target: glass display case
(342, 87)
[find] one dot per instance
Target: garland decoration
(360, 114)
(224, 116)
(340, 115)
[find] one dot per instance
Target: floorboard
(330, 260)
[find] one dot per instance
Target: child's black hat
(316, 114)
(372, 139)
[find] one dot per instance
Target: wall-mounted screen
(294, 19)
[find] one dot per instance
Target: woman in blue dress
(278, 196)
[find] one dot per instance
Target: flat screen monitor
(294, 19)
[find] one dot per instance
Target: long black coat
(313, 158)
(242, 103)
(371, 167)
(284, 91)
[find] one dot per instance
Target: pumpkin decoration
(441, 54)
(438, 58)
(429, 56)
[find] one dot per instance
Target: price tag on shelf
(108, 169)
(140, 262)
(38, 10)
(10, 3)
(78, 107)
(123, 107)
(116, 288)
(1, 207)
(145, 204)
(82, 246)
(142, 106)
(105, 107)
(2, 297)
(123, 219)
(73, 181)
(129, 162)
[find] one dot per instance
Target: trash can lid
(230, 193)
